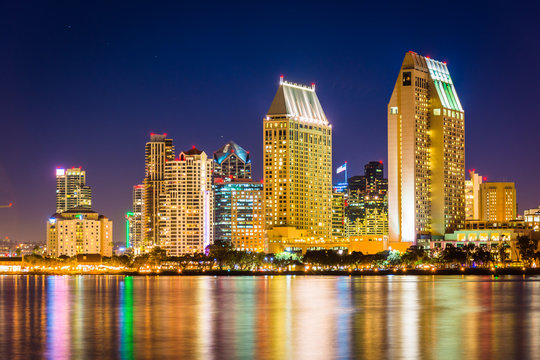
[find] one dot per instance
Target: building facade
(297, 165)
(135, 237)
(79, 231)
(158, 151)
(231, 160)
(239, 213)
(71, 190)
(338, 215)
(497, 201)
(472, 196)
(186, 207)
(426, 152)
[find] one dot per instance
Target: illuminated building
(367, 205)
(79, 231)
(297, 167)
(158, 151)
(532, 216)
(239, 213)
(426, 152)
(231, 160)
(338, 214)
(187, 204)
(498, 201)
(71, 190)
(472, 193)
(135, 237)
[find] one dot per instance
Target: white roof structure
(299, 102)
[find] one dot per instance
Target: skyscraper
(186, 213)
(135, 238)
(297, 165)
(158, 151)
(231, 160)
(472, 196)
(71, 190)
(239, 213)
(426, 152)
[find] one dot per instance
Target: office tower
(472, 193)
(338, 214)
(498, 201)
(135, 238)
(426, 152)
(158, 151)
(71, 190)
(79, 231)
(297, 166)
(231, 160)
(187, 204)
(366, 212)
(239, 213)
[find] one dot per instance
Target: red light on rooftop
(193, 147)
(485, 178)
(380, 162)
(10, 204)
(164, 134)
(444, 62)
(152, 134)
(427, 57)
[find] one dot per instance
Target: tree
(394, 258)
(527, 249)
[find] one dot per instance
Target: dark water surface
(282, 317)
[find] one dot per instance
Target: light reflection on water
(412, 317)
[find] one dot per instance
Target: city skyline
(355, 101)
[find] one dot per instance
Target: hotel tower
(297, 166)
(426, 152)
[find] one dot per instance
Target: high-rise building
(186, 212)
(231, 160)
(366, 212)
(498, 201)
(159, 150)
(472, 194)
(297, 166)
(426, 152)
(135, 238)
(239, 213)
(71, 190)
(338, 214)
(79, 231)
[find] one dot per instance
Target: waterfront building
(497, 201)
(186, 207)
(297, 167)
(79, 231)
(239, 213)
(532, 216)
(472, 196)
(231, 160)
(135, 237)
(158, 151)
(426, 152)
(71, 189)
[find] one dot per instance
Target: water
(282, 317)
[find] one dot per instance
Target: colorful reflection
(300, 317)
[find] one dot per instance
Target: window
(393, 110)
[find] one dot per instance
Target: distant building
(426, 152)
(71, 190)
(338, 215)
(498, 201)
(532, 216)
(366, 212)
(158, 151)
(79, 231)
(134, 230)
(231, 160)
(472, 196)
(239, 213)
(297, 167)
(186, 209)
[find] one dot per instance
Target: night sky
(84, 84)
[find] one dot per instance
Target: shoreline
(226, 273)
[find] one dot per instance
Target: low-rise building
(79, 231)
